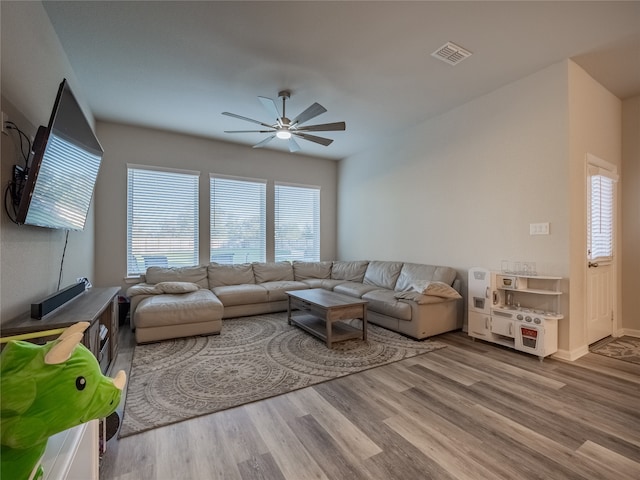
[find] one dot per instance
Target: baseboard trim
(630, 332)
(571, 355)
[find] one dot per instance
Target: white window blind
(600, 217)
(162, 218)
(297, 223)
(238, 220)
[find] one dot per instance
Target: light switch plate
(539, 228)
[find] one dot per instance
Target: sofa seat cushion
(354, 289)
(385, 302)
(277, 290)
(244, 294)
(175, 309)
(326, 283)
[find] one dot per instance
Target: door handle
(593, 264)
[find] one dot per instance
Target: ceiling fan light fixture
(283, 134)
(290, 130)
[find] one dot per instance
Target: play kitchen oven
(497, 311)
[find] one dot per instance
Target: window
(600, 223)
(162, 218)
(238, 220)
(297, 223)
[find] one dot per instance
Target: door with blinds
(601, 217)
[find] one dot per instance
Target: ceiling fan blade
(293, 145)
(246, 118)
(270, 106)
(311, 112)
(313, 138)
(264, 142)
(325, 127)
(249, 131)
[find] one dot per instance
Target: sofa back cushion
(349, 271)
(310, 270)
(272, 271)
(223, 275)
(417, 274)
(197, 275)
(382, 274)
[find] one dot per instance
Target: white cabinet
(502, 325)
(479, 325)
(73, 454)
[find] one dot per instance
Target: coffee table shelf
(316, 326)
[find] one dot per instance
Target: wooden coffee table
(320, 312)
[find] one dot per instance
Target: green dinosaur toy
(45, 389)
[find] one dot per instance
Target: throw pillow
(419, 298)
(177, 287)
(436, 289)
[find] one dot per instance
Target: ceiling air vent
(451, 53)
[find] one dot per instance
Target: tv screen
(63, 169)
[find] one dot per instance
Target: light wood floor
(470, 411)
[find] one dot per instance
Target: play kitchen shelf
(536, 284)
(514, 310)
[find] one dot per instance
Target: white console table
(73, 454)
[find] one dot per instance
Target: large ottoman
(165, 316)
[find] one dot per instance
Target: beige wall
(461, 189)
(595, 127)
(128, 144)
(630, 187)
(33, 65)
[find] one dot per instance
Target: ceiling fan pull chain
(284, 112)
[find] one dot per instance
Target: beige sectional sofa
(414, 299)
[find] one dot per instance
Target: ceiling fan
(286, 129)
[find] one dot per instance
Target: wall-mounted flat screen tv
(63, 169)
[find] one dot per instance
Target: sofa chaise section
(173, 303)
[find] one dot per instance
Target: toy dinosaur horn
(120, 379)
(79, 327)
(61, 351)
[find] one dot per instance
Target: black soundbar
(56, 300)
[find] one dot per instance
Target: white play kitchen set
(517, 310)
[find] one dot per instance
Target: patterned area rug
(622, 348)
(252, 359)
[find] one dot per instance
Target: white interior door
(601, 215)
(600, 298)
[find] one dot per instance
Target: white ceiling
(178, 65)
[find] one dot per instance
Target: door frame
(592, 161)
